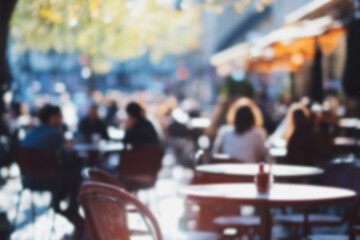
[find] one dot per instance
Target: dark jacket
(142, 133)
(87, 128)
(302, 148)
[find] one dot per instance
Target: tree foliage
(105, 29)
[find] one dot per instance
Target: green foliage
(102, 29)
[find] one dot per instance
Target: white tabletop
(280, 194)
(279, 171)
(346, 141)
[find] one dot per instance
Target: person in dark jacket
(48, 136)
(140, 130)
(92, 124)
(302, 143)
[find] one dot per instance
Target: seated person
(139, 130)
(48, 136)
(243, 140)
(92, 124)
(301, 138)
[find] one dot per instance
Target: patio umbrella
(316, 85)
(351, 81)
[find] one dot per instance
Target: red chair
(106, 215)
(39, 171)
(139, 167)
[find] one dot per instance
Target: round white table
(248, 171)
(279, 195)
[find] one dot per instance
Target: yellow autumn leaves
(105, 29)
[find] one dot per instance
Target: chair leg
(53, 222)
(17, 208)
(33, 213)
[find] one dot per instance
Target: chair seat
(314, 219)
(237, 221)
(328, 237)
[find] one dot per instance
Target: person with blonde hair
(244, 137)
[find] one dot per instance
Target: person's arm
(130, 136)
(260, 148)
(104, 132)
(58, 142)
(217, 147)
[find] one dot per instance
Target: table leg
(306, 223)
(265, 223)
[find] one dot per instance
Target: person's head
(297, 118)
(93, 112)
(245, 102)
(135, 111)
(244, 119)
(50, 115)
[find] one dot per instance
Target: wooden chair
(221, 217)
(39, 171)
(355, 220)
(336, 175)
(106, 217)
(100, 176)
(354, 229)
(139, 167)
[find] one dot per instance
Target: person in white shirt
(244, 138)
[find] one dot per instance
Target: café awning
(286, 36)
(318, 8)
(284, 49)
(287, 48)
(225, 61)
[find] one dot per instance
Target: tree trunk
(6, 9)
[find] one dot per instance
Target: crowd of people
(307, 131)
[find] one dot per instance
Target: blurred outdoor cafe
(180, 119)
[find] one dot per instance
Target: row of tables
(280, 194)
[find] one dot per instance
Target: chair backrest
(141, 160)
(341, 175)
(96, 175)
(36, 162)
(355, 218)
(105, 212)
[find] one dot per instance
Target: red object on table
(262, 180)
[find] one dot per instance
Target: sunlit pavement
(163, 201)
